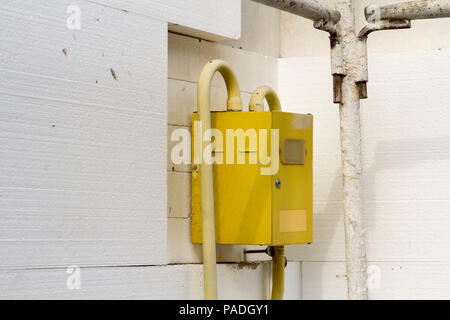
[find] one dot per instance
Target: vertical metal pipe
(355, 248)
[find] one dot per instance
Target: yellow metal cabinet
(252, 208)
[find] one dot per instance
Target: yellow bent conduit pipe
(257, 99)
(257, 104)
(234, 103)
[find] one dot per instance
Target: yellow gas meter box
(267, 200)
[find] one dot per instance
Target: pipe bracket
(384, 25)
(363, 77)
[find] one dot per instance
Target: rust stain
(114, 75)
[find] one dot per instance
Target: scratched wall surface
(406, 176)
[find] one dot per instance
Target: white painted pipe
(412, 10)
(355, 243)
(310, 9)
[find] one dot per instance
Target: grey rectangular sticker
(293, 151)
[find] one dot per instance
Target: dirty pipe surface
(310, 9)
(350, 131)
(411, 10)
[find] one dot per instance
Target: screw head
(278, 183)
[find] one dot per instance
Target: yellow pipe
(234, 103)
(278, 273)
(258, 96)
(257, 104)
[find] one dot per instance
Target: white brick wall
(212, 19)
(299, 38)
(398, 280)
(406, 176)
(186, 58)
(150, 282)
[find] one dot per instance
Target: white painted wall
(85, 179)
(405, 144)
(260, 29)
(212, 19)
(406, 176)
